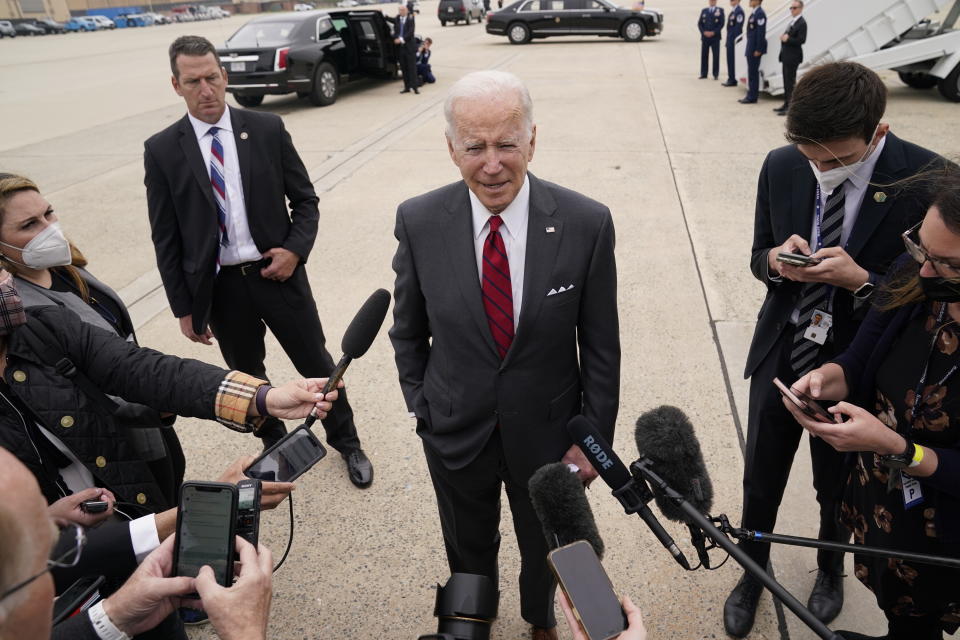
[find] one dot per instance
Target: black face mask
(940, 289)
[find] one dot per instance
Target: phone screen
(245, 498)
(287, 460)
(589, 590)
(804, 402)
(205, 531)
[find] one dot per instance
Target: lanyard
(918, 399)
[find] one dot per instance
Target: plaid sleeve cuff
(236, 393)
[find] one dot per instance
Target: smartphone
(805, 403)
(248, 510)
(797, 259)
(94, 506)
(583, 580)
(80, 596)
(288, 459)
(206, 526)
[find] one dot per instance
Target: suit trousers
(408, 66)
(789, 80)
(469, 503)
(731, 61)
(245, 304)
(707, 46)
(773, 436)
(753, 77)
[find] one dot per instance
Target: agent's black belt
(246, 267)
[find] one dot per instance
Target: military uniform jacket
(711, 19)
(757, 32)
(734, 25)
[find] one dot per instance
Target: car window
(339, 24)
(325, 27)
(368, 32)
(530, 5)
(593, 5)
(262, 34)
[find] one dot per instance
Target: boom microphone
(357, 339)
(561, 504)
(665, 437)
(625, 489)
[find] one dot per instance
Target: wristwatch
(866, 289)
(903, 459)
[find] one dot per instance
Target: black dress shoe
(740, 609)
(745, 101)
(416, 91)
(359, 468)
(701, 77)
(826, 599)
(781, 109)
(405, 91)
(728, 83)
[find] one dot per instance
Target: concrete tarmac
(676, 160)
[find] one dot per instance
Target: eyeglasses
(911, 240)
(64, 560)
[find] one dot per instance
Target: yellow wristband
(917, 455)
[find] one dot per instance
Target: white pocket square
(554, 292)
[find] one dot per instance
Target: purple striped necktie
(497, 290)
(219, 184)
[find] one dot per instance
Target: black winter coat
(117, 367)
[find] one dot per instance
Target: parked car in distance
(528, 19)
(27, 29)
(301, 6)
(309, 52)
(7, 30)
(81, 23)
(456, 10)
(49, 25)
(346, 4)
(104, 22)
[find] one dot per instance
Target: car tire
(633, 31)
(949, 87)
(443, 23)
(918, 79)
(325, 85)
(518, 33)
(467, 20)
(248, 101)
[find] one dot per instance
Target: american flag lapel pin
(550, 229)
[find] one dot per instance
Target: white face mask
(49, 248)
(830, 180)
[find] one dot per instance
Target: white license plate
(449, 9)
(238, 66)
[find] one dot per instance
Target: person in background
(756, 47)
(424, 71)
(404, 38)
(791, 52)
(900, 412)
(734, 29)
(711, 26)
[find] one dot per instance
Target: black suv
(308, 52)
(528, 19)
(456, 10)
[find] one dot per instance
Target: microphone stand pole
(642, 472)
(760, 536)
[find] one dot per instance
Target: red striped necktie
(497, 291)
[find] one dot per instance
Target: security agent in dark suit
(404, 37)
(230, 254)
(828, 195)
(710, 25)
(734, 29)
(791, 52)
(505, 327)
(756, 47)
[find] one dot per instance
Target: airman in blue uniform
(710, 25)
(756, 47)
(734, 29)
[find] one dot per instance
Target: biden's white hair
(487, 85)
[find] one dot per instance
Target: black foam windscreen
(560, 502)
(364, 327)
(665, 436)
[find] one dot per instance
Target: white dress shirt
(242, 247)
(514, 233)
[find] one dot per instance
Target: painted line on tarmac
(145, 297)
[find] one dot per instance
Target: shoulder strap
(44, 344)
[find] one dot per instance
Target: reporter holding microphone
(899, 387)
